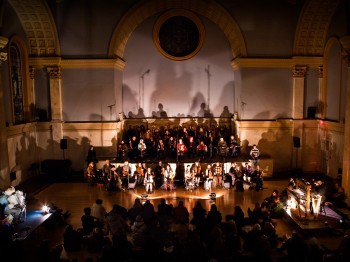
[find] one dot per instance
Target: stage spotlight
(212, 196)
(45, 209)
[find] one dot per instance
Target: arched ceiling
(145, 9)
(41, 32)
(314, 20)
(38, 23)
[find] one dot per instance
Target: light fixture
(45, 209)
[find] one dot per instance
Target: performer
(254, 154)
(232, 173)
(149, 181)
(160, 149)
(247, 172)
(91, 173)
(258, 178)
(208, 178)
(106, 169)
(189, 183)
(198, 173)
(113, 180)
(202, 150)
(233, 146)
(239, 180)
(191, 147)
(122, 150)
(133, 145)
(125, 173)
(141, 148)
(181, 149)
(91, 155)
(169, 176)
(217, 168)
(188, 173)
(222, 147)
(171, 147)
(159, 173)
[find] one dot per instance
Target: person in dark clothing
(199, 215)
(88, 222)
(239, 218)
(72, 239)
(164, 214)
(91, 155)
(214, 216)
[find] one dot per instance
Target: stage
(328, 219)
(34, 219)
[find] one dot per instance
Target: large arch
(39, 25)
(311, 32)
(145, 9)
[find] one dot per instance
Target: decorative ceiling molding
(311, 62)
(41, 62)
(40, 28)
(147, 8)
(312, 27)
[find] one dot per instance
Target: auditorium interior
(246, 102)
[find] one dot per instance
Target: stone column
(56, 106)
(299, 72)
(322, 95)
(345, 41)
(4, 160)
(32, 91)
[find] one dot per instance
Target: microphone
(146, 72)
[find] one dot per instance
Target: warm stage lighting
(45, 209)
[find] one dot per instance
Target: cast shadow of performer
(161, 112)
(226, 112)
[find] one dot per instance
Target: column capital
(299, 70)
(3, 43)
(320, 71)
(345, 42)
(54, 71)
(31, 72)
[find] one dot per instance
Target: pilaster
(54, 73)
(322, 94)
(299, 73)
(4, 161)
(345, 41)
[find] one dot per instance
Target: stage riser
(265, 164)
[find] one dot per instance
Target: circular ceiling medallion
(178, 34)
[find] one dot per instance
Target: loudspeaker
(13, 176)
(63, 144)
(311, 112)
(296, 141)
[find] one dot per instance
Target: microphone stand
(177, 142)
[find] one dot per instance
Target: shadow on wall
(57, 159)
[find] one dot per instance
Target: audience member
(98, 211)
(72, 239)
(88, 222)
(181, 213)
